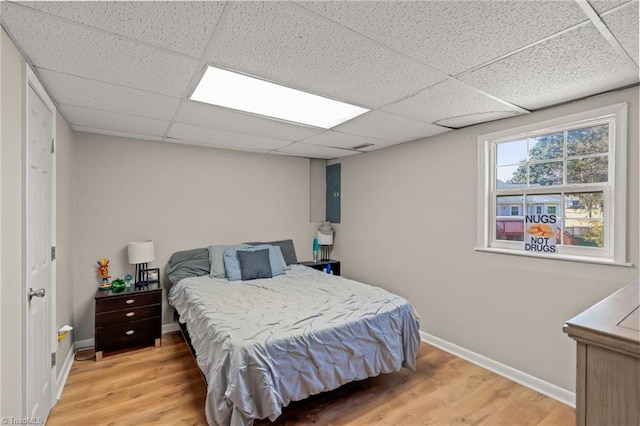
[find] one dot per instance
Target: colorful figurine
(103, 271)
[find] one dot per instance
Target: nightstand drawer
(128, 301)
(136, 333)
(128, 315)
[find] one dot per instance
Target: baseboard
(170, 328)
(539, 385)
(66, 369)
(86, 343)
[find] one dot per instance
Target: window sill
(555, 257)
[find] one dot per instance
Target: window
(573, 167)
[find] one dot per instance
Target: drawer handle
(129, 333)
(130, 301)
(130, 314)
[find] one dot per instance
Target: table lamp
(325, 240)
(140, 253)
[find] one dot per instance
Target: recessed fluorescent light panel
(244, 93)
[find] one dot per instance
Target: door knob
(36, 293)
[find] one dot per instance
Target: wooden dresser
(128, 318)
(608, 358)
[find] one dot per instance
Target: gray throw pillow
(288, 251)
(254, 264)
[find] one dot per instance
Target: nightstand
(320, 265)
(132, 317)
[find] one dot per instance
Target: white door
(38, 256)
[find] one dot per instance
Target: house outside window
(573, 167)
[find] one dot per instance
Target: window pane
(584, 218)
(546, 147)
(544, 174)
(511, 177)
(587, 170)
(543, 204)
(505, 204)
(509, 225)
(589, 140)
(511, 152)
(509, 229)
(584, 232)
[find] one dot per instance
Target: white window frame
(615, 209)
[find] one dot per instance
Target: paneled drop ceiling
(423, 68)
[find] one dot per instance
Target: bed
(264, 342)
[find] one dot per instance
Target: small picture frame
(150, 276)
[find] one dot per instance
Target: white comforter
(264, 343)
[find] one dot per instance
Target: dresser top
(616, 318)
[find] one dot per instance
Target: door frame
(31, 80)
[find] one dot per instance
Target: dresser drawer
(128, 301)
(136, 333)
(127, 315)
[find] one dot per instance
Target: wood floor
(163, 386)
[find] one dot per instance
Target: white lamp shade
(140, 252)
(325, 239)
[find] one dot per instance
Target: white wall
(181, 197)
(317, 189)
(64, 234)
(11, 205)
(409, 225)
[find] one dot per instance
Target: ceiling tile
(382, 125)
(623, 23)
(86, 117)
(334, 139)
(287, 44)
(448, 100)
(453, 36)
(72, 49)
(300, 149)
(215, 117)
(213, 145)
(84, 129)
(380, 146)
(573, 65)
(474, 118)
(602, 6)
(72, 90)
(184, 27)
(223, 138)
